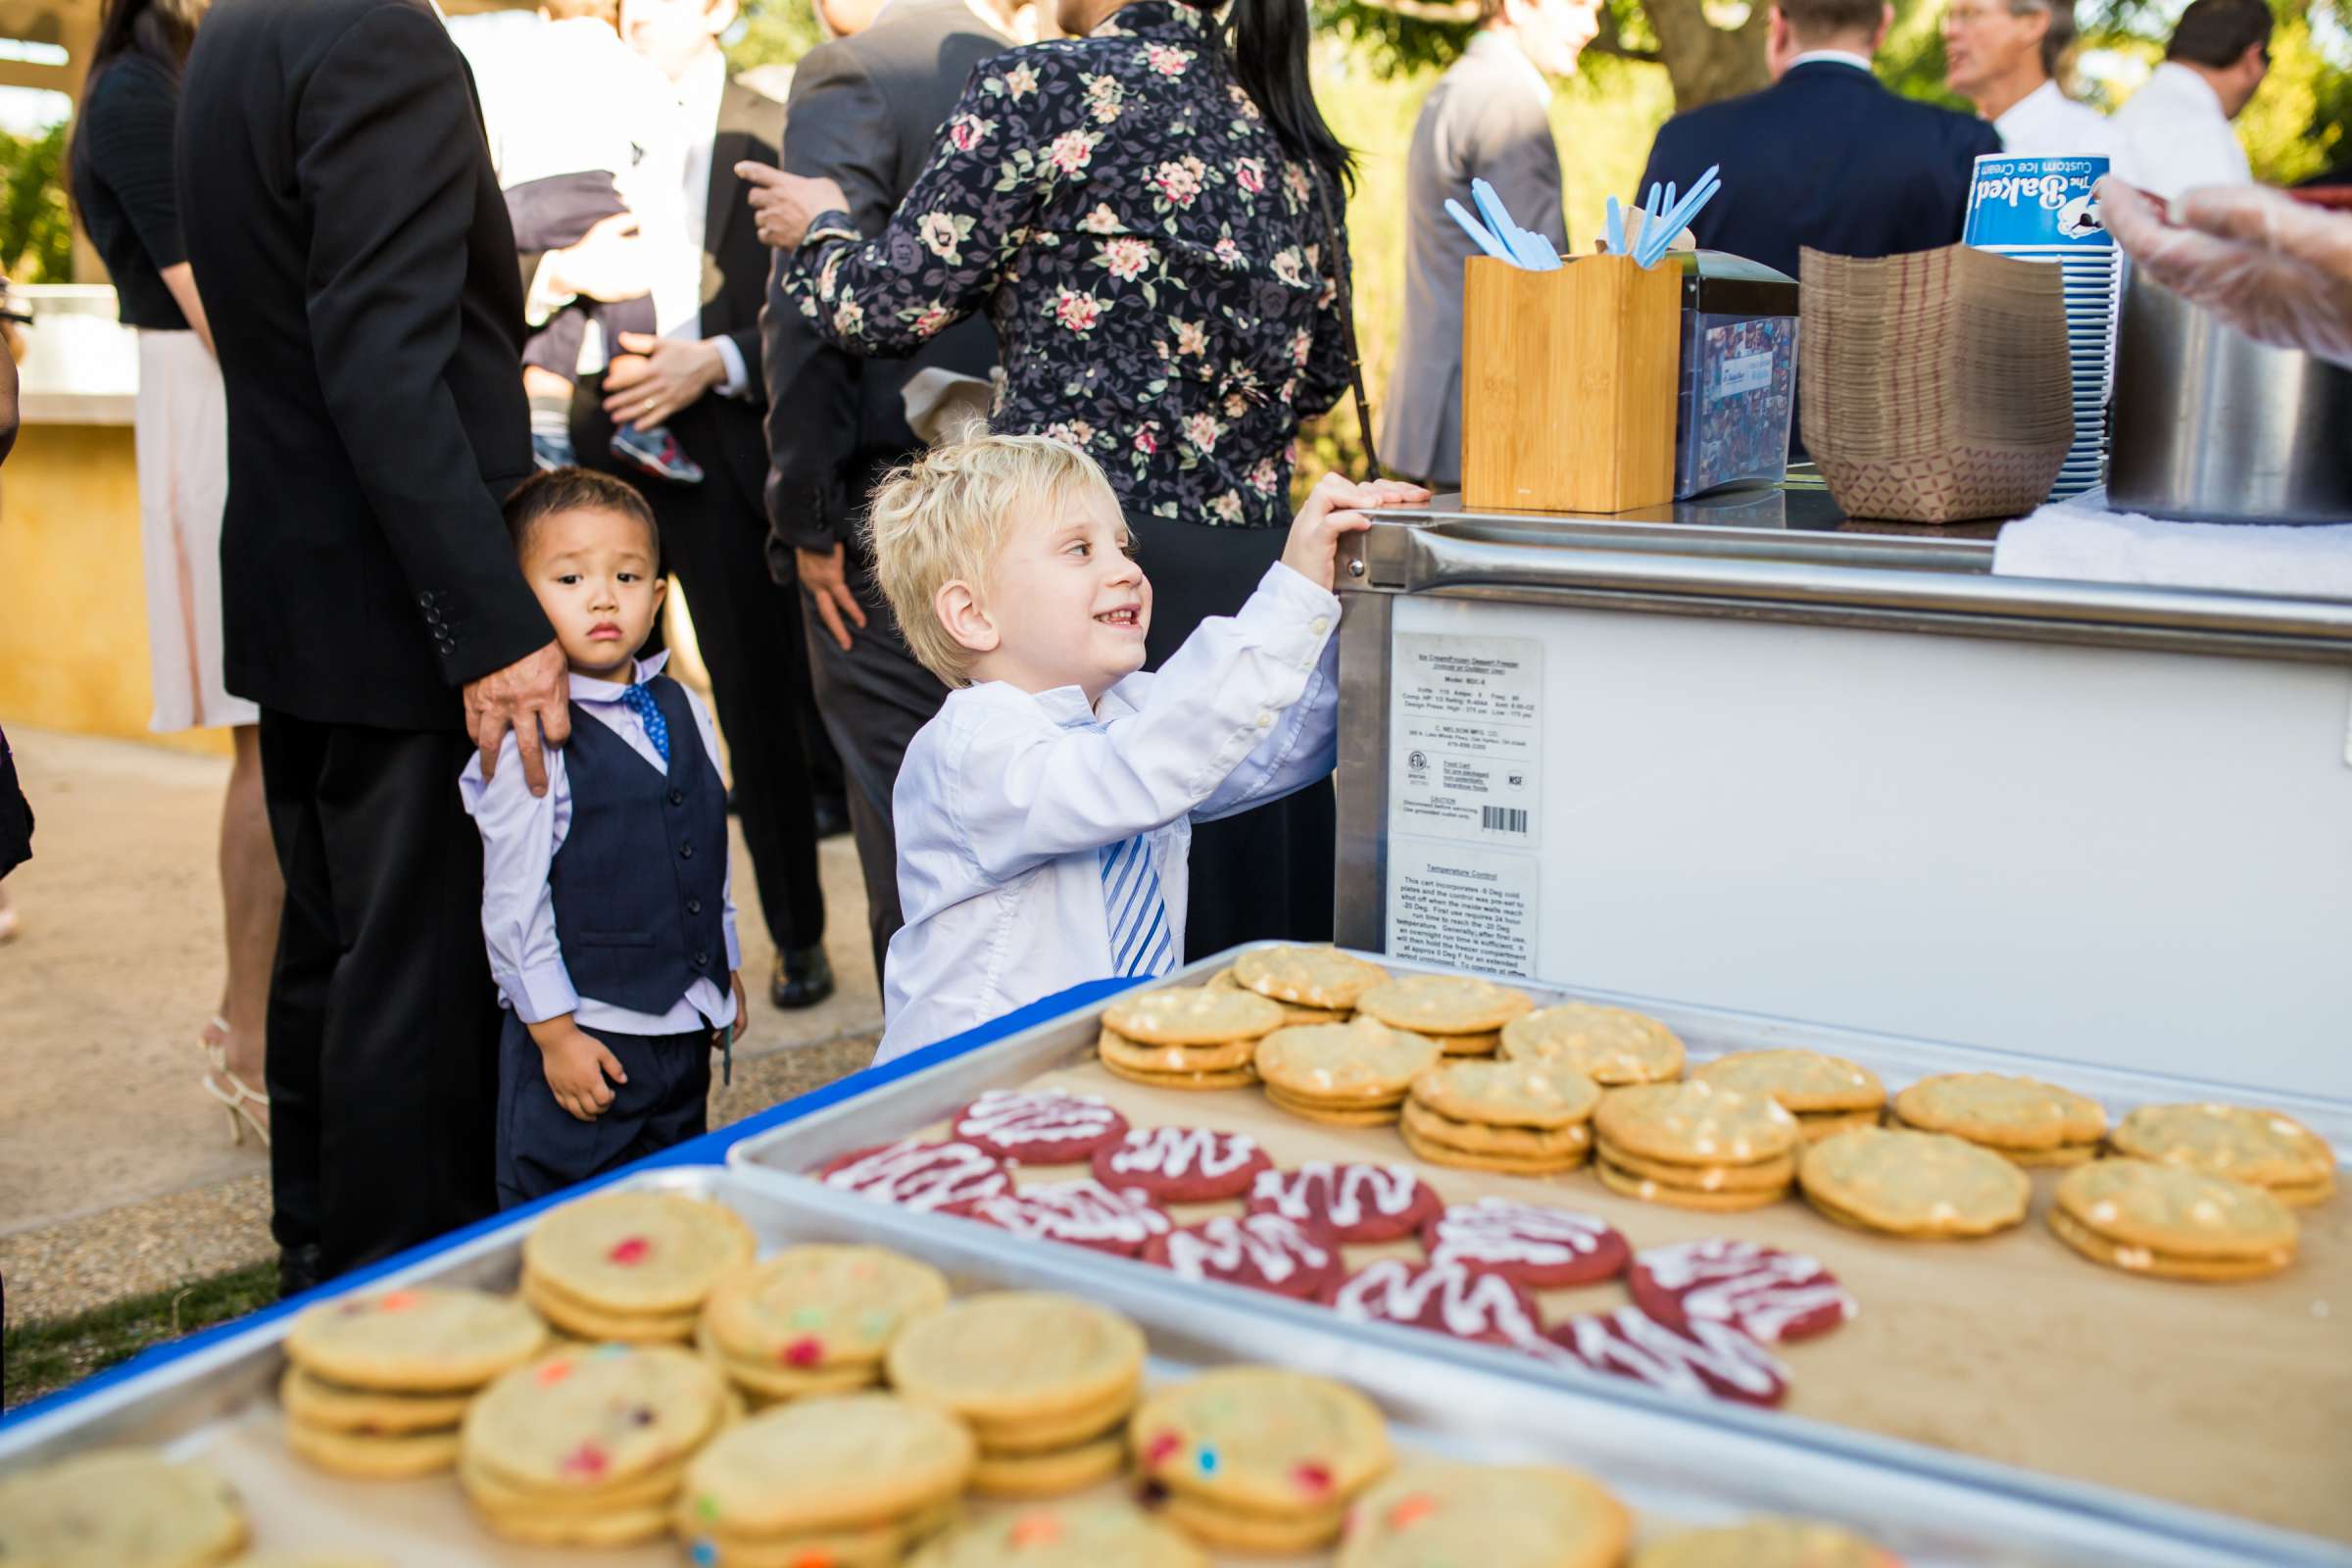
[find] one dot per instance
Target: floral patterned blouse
(1156, 266)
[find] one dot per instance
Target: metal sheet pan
(1670, 1463)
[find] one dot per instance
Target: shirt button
(1320, 624)
(677, 797)
(1265, 720)
(694, 905)
(685, 851)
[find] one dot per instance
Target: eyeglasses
(1971, 15)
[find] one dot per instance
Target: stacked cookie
(2031, 1122)
(2176, 1224)
(1695, 1145)
(1186, 1037)
(376, 1385)
(1766, 1543)
(1610, 1046)
(2259, 1148)
(1314, 984)
(1435, 1510)
(837, 1480)
(1257, 1459)
(815, 1319)
(120, 1505)
(631, 1266)
(587, 1447)
(1465, 1017)
(1354, 1074)
(1077, 1535)
(1043, 1381)
(1528, 1118)
(1913, 1183)
(1827, 1094)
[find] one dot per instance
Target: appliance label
(1465, 744)
(1463, 907)
(1748, 372)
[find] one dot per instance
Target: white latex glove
(2276, 268)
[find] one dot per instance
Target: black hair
(2217, 33)
(1268, 41)
(543, 495)
(159, 30)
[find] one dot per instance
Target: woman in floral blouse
(1151, 214)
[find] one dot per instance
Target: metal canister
(2210, 424)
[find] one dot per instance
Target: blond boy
(1045, 815)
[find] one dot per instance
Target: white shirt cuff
(738, 383)
(541, 993)
(542, 299)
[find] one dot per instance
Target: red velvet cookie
(1353, 1202)
(1541, 1247)
(1084, 1213)
(1771, 1295)
(1263, 1252)
(1443, 1297)
(1182, 1165)
(920, 1175)
(1707, 1360)
(1039, 1127)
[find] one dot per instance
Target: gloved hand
(2277, 269)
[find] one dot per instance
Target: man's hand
(743, 1006)
(577, 1065)
(659, 377)
(785, 204)
(532, 697)
(610, 262)
(828, 583)
(1314, 544)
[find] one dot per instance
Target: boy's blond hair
(943, 517)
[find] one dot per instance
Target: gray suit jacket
(865, 111)
(1484, 120)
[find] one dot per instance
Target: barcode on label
(1503, 819)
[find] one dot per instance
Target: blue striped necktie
(1141, 943)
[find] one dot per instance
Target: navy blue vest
(640, 883)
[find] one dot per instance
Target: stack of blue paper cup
(2041, 210)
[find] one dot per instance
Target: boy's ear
(961, 611)
(661, 590)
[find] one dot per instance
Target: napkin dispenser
(1736, 391)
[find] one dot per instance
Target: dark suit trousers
(383, 1020)
(873, 698)
(714, 538)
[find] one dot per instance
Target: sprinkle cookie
(422, 1339)
(1608, 1045)
(1442, 1297)
(1038, 1127)
(1543, 1248)
(632, 1254)
(1774, 1297)
(1013, 1355)
(1259, 1458)
(819, 1307)
(1308, 977)
(1182, 1165)
(314, 1401)
(848, 1463)
(1766, 1543)
(1092, 1535)
(2146, 1218)
(1083, 1214)
(920, 1175)
(1913, 1183)
(1262, 1251)
(120, 1505)
(2259, 1148)
(2031, 1122)
(1348, 1202)
(1496, 1516)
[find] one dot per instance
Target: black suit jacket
(354, 258)
(865, 111)
(1828, 158)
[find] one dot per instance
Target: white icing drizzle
(1179, 1152)
(1758, 1289)
(1631, 1343)
(1390, 1189)
(1046, 1116)
(1078, 1211)
(1469, 1303)
(1223, 1247)
(920, 1175)
(1495, 1230)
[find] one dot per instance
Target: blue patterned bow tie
(641, 702)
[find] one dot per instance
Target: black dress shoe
(299, 1269)
(803, 978)
(832, 816)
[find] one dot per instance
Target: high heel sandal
(239, 1096)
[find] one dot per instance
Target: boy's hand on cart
(1335, 508)
(577, 1065)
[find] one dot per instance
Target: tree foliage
(36, 230)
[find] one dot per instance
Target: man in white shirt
(2003, 56)
(2177, 127)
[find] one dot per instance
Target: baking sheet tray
(2013, 1350)
(1671, 1466)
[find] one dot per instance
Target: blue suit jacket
(1828, 158)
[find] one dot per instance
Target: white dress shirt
(1006, 799)
(520, 834)
(2177, 135)
(2046, 123)
(1834, 57)
(699, 95)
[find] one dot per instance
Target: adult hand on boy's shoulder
(532, 697)
(577, 1066)
(1333, 508)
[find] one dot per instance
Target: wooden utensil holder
(1568, 384)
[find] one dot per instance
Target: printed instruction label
(1463, 907)
(1749, 373)
(1465, 738)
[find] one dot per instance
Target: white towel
(2088, 543)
